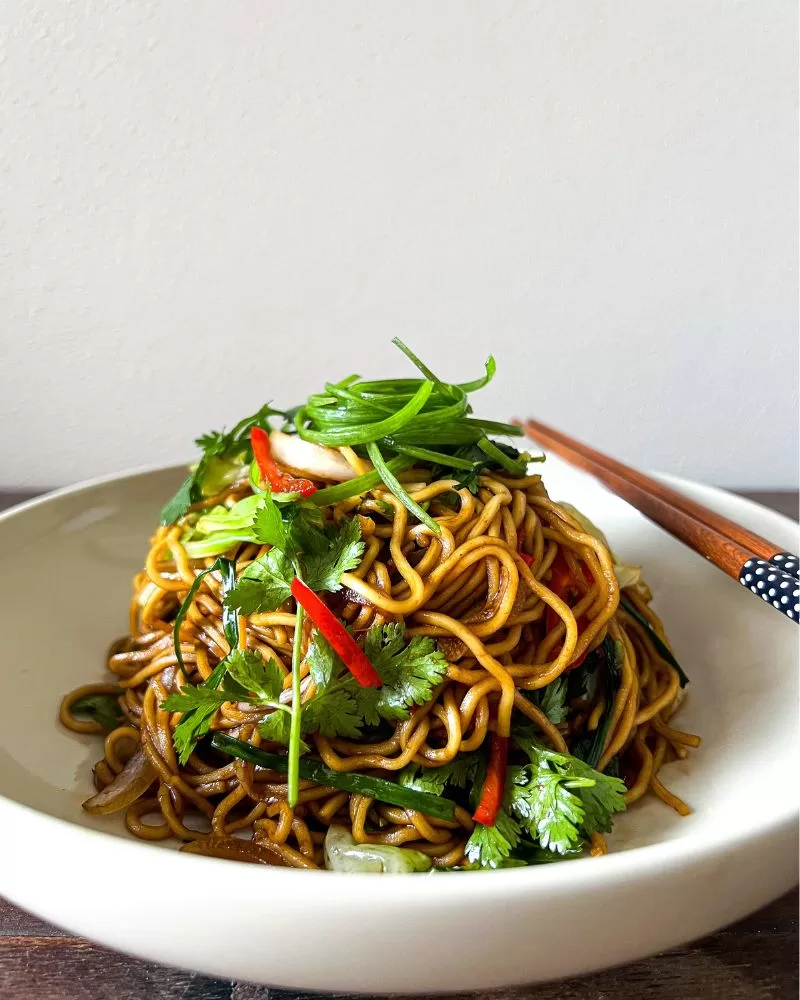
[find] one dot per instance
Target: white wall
(208, 204)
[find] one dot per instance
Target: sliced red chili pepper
(494, 783)
(344, 645)
(280, 482)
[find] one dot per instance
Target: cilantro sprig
(340, 706)
(559, 800)
(492, 846)
(297, 535)
(244, 676)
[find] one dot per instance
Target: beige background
(205, 205)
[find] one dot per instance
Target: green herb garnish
(491, 846)
(559, 800)
(242, 676)
(340, 706)
(299, 537)
(459, 772)
(101, 708)
(401, 418)
(349, 781)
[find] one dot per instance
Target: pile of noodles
(470, 589)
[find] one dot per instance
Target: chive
(447, 390)
(227, 571)
(663, 650)
(437, 457)
(479, 383)
(393, 484)
(364, 433)
(454, 432)
(509, 464)
(348, 395)
(494, 427)
(353, 487)
(347, 781)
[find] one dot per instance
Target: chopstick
(758, 564)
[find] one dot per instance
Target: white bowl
(66, 568)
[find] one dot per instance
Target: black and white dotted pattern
(787, 562)
(773, 586)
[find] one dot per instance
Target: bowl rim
(634, 864)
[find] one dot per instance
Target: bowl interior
(67, 565)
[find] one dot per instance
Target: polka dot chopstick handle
(769, 581)
(786, 562)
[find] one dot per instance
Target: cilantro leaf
(177, 505)
(323, 663)
(409, 672)
(267, 582)
(199, 705)
(552, 700)
(601, 799)
(340, 704)
(194, 725)
(294, 527)
(323, 569)
(551, 810)
(268, 528)
(491, 846)
(264, 585)
(277, 728)
(249, 669)
(305, 529)
(190, 698)
(101, 708)
(458, 772)
(243, 675)
(333, 713)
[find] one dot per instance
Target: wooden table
(756, 959)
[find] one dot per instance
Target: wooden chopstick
(757, 563)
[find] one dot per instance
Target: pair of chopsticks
(758, 564)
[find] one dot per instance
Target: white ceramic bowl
(67, 560)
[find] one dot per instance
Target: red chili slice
(494, 783)
(344, 645)
(280, 482)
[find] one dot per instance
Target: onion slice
(234, 849)
(131, 782)
(312, 460)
